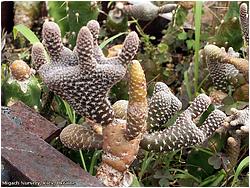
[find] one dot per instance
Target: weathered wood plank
(38, 163)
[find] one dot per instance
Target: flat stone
(33, 122)
(36, 163)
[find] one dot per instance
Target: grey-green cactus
(147, 11)
(162, 105)
(184, 132)
(78, 76)
(221, 74)
(244, 22)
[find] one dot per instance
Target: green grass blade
(26, 32)
(184, 174)
(104, 43)
(93, 161)
(83, 161)
(243, 164)
(146, 161)
(70, 112)
(198, 11)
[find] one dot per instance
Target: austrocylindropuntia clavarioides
(214, 53)
(83, 76)
(121, 138)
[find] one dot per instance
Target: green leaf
(135, 182)
(26, 32)
(104, 43)
(213, 180)
(184, 174)
(190, 44)
(243, 164)
(182, 36)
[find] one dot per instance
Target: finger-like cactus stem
(244, 21)
(84, 49)
(129, 49)
(214, 53)
(38, 55)
(137, 107)
(52, 38)
(94, 28)
(213, 122)
(184, 132)
(77, 137)
(199, 105)
(162, 105)
(233, 151)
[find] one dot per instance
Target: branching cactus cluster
(184, 132)
(121, 138)
(83, 78)
(222, 65)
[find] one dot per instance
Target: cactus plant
(22, 85)
(71, 16)
(244, 22)
(147, 11)
(214, 53)
(121, 138)
(228, 32)
(77, 76)
(184, 133)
